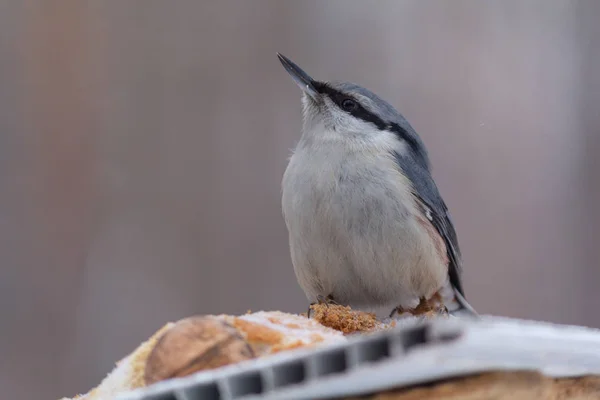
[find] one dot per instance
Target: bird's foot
(398, 310)
(321, 300)
(425, 308)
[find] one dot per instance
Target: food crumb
(343, 318)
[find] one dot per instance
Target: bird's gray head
(342, 111)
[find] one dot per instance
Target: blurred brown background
(142, 145)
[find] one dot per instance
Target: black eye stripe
(358, 112)
(362, 113)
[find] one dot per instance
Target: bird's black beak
(301, 78)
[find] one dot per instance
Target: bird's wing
(440, 218)
(434, 209)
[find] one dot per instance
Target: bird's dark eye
(349, 104)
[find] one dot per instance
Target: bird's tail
(456, 303)
(464, 308)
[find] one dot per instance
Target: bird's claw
(424, 307)
(399, 310)
(327, 300)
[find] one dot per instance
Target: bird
(367, 225)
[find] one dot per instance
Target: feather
(434, 209)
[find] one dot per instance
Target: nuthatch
(367, 225)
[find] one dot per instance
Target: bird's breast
(354, 189)
(355, 229)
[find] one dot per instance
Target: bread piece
(206, 342)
